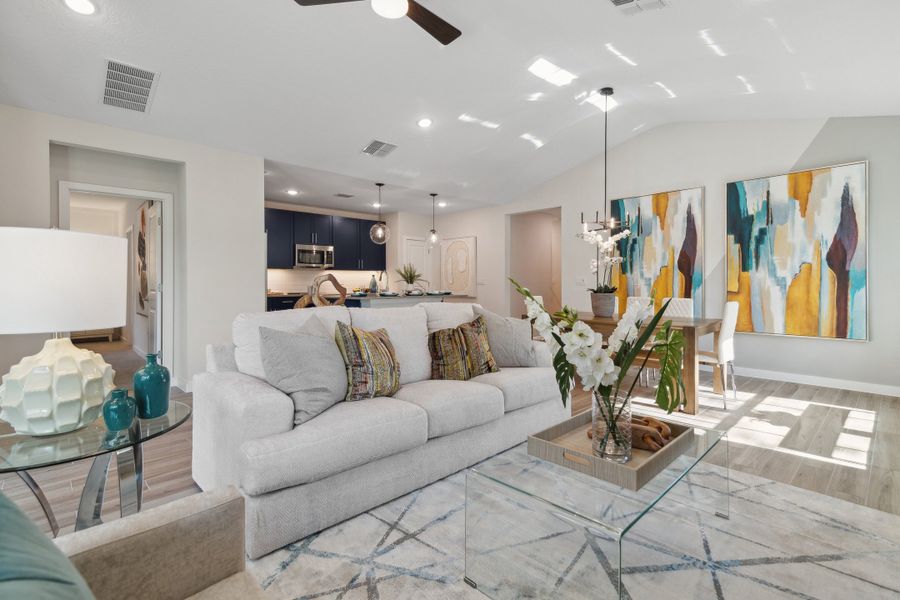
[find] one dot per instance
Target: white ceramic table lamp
(56, 281)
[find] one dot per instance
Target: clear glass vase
(612, 428)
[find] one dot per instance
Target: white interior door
(154, 279)
(415, 253)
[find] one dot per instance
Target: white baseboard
(829, 382)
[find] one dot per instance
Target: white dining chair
(680, 307)
(639, 301)
(723, 356)
(647, 375)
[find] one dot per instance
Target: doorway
(535, 257)
(416, 253)
(139, 216)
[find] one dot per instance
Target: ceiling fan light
(390, 9)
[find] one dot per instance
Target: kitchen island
(286, 301)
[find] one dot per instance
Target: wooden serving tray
(567, 444)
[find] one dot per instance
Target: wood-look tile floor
(842, 444)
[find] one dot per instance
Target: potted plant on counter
(604, 301)
(410, 276)
(602, 368)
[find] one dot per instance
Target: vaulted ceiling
(311, 86)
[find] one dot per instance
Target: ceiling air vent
(343, 195)
(128, 87)
(379, 149)
(636, 7)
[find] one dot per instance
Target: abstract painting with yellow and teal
(796, 252)
(663, 256)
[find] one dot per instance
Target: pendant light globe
(380, 233)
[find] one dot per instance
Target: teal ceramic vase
(151, 389)
(119, 410)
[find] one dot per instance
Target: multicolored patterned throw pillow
(479, 358)
(372, 366)
(448, 354)
(461, 353)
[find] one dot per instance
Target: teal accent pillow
(31, 566)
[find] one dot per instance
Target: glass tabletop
(606, 505)
(20, 452)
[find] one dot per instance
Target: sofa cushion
(347, 435)
(511, 339)
(408, 330)
(306, 365)
(522, 386)
(454, 405)
(372, 366)
(245, 331)
(31, 566)
(447, 315)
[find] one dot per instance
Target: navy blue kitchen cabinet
(346, 244)
(281, 302)
(313, 229)
(279, 239)
(372, 256)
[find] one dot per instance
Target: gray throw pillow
(306, 365)
(510, 339)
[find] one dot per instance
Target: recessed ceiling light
(82, 7)
(442, 204)
(547, 71)
(624, 58)
(599, 100)
(535, 97)
(663, 87)
(376, 205)
(424, 123)
(534, 140)
(292, 192)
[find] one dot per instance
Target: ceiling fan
(438, 28)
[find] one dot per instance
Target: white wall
(219, 232)
(711, 154)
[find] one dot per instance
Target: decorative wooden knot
(317, 299)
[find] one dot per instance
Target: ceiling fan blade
(438, 28)
(318, 2)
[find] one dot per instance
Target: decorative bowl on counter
(359, 294)
(415, 293)
(440, 293)
(388, 294)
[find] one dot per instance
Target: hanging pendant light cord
(433, 196)
(379, 202)
(605, 158)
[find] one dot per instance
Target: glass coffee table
(22, 453)
(535, 529)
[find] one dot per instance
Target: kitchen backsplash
(299, 280)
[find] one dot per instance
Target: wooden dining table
(693, 330)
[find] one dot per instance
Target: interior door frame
(167, 304)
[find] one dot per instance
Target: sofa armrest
(229, 409)
(171, 551)
(542, 357)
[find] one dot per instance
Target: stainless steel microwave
(313, 257)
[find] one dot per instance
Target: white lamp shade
(56, 281)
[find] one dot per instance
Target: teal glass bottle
(119, 410)
(151, 389)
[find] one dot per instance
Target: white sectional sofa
(297, 480)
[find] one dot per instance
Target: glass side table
(22, 453)
(535, 529)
